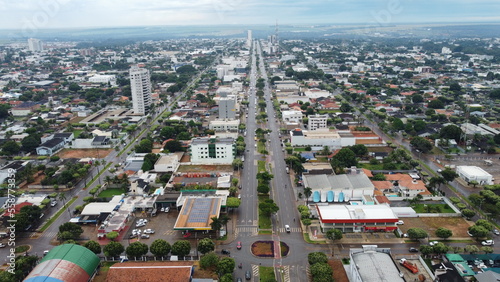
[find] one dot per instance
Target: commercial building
(224, 125)
(68, 263)
(212, 150)
(104, 79)
(371, 263)
(339, 188)
(357, 218)
(292, 116)
(168, 163)
(172, 271)
(321, 138)
(227, 107)
(474, 173)
(317, 122)
(140, 84)
(35, 45)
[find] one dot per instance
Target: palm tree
(62, 197)
(307, 194)
(224, 220)
(216, 224)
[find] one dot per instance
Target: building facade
(140, 84)
(212, 150)
(317, 122)
(227, 107)
(35, 45)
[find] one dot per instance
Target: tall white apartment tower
(227, 107)
(317, 122)
(140, 84)
(249, 38)
(35, 45)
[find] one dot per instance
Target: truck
(410, 266)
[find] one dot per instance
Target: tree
(317, 257)
(216, 224)
(417, 98)
(263, 189)
(359, 150)
(435, 104)
(344, 107)
(449, 175)
(397, 124)
(455, 87)
(206, 245)
(416, 233)
(421, 144)
(160, 248)
(467, 213)
(344, 158)
(487, 249)
(228, 277)
(113, 249)
(112, 235)
(268, 207)
(173, 146)
(486, 224)
(321, 272)
(471, 249)
(444, 233)
(334, 234)
(478, 231)
(451, 132)
(407, 74)
(30, 143)
(440, 248)
(181, 248)
(225, 265)
(11, 148)
(209, 260)
(137, 249)
(74, 229)
(93, 246)
(426, 250)
(307, 194)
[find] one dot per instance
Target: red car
(238, 246)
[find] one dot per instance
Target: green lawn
(110, 192)
(266, 273)
(423, 208)
(261, 166)
(264, 220)
(77, 132)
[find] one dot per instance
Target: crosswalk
(255, 270)
(170, 232)
(286, 273)
(247, 231)
(292, 229)
(49, 235)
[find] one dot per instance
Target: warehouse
(68, 263)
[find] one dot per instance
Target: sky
(39, 14)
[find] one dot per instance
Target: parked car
(238, 245)
(2, 245)
(488, 243)
(287, 228)
(144, 236)
(53, 203)
(132, 236)
(167, 209)
(400, 222)
(496, 232)
(225, 252)
(149, 231)
(413, 250)
(470, 234)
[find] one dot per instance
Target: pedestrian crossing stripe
(293, 229)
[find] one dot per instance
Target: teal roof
(76, 254)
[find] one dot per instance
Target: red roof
(17, 208)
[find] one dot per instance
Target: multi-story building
(140, 85)
(317, 122)
(227, 107)
(212, 150)
(35, 45)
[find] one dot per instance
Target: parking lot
(457, 225)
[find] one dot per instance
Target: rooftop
(179, 271)
(356, 212)
(374, 265)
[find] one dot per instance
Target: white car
(432, 243)
(400, 222)
(287, 228)
(53, 203)
(488, 243)
(149, 231)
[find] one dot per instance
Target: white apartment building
(105, 79)
(35, 45)
(292, 116)
(140, 85)
(317, 122)
(212, 150)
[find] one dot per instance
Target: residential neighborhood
(184, 158)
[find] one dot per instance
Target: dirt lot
(339, 274)
(205, 168)
(83, 153)
(457, 225)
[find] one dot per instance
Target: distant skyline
(41, 14)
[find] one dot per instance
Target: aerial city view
(216, 140)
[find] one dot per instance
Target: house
(101, 141)
(24, 109)
(139, 187)
(168, 163)
(50, 147)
